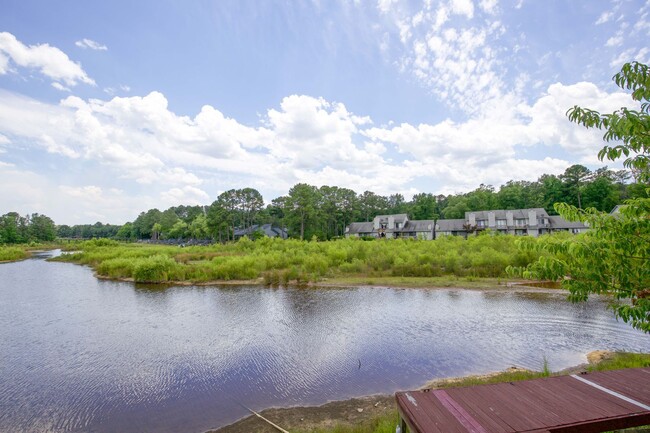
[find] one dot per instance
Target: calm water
(80, 354)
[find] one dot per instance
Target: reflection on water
(81, 354)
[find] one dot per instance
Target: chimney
(509, 219)
(472, 219)
(391, 222)
(492, 222)
(532, 217)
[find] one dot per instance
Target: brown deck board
(626, 383)
(553, 405)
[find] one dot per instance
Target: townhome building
(521, 222)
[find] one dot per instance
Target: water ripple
(86, 355)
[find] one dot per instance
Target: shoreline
(366, 408)
(441, 283)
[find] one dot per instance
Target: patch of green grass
(13, 253)
(382, 424)
(622, 360)
(447, 262)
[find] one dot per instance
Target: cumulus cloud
(90, 44)
(139, 141)
(50, 61)
(188, 195)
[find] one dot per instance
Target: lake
(82, 354)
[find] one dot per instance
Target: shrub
(154, 269)
(12, 253)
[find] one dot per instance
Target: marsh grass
(382, 424)
(622, 360)
(13, 253)
(280, 262)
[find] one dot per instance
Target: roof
(398, 217)
(501, 213)
(589, 402)
(268, 229)
(365, 227)
(557, 222)
(452, 225)
(418, 226)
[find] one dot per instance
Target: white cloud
(604, 17)
(488, 6)
(463, 7)
(59, 86)
(457, 60)
(471, 152)
(50, 61)
(138, 142)
(89, 43)
(188, 195)
(614, 41)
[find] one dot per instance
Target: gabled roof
(267, 229)
(399, 217)
(364, 227)
(451, 225)
(501, 213)
(557, 222)
(418, 226)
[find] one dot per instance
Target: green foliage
(16, 229)
(385, 423)
(12, 253)
(155, 269)
(630, 128)
(280, 262)
(622, 360)
(612, 258)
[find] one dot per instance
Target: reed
(277, 261)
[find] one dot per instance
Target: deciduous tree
(613, 257)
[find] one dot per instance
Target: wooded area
(308, 211)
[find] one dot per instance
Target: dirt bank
(355, 410)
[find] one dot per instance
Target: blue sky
(111, 108)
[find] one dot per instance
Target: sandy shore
(352, 411)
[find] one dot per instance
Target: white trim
(609, 391)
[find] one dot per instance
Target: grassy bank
(386, 423)
(13, 253)
(279, 262)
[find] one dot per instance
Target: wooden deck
(592, 402)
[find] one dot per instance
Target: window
(481, 223)
(520, 222)
(520, 232)
(501, 223)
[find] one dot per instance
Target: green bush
(12, 253)
(116, 268)
(154, 269)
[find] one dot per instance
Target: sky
(108, 109)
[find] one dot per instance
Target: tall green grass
(382, 424)
(277, 261)
(12, 253)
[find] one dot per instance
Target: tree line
(18, 229)
(308, 211)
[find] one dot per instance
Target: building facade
(521, 222)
